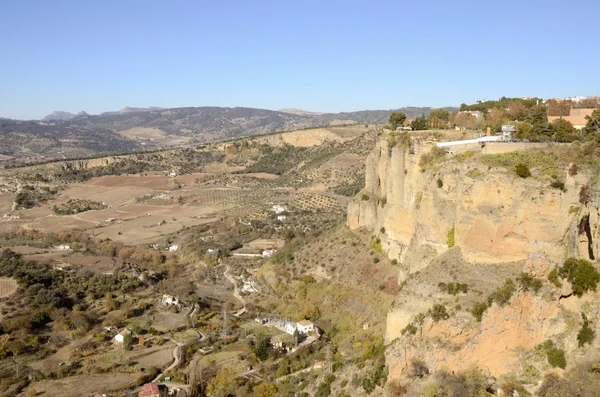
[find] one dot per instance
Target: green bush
(451, 238)
(586, 333)
(440, 183)
(558, 185)
(364, 197)
(502, 294)
(453, 288)
(438, 312)
(553, 278)
(478, 309)
(556, 357)
(528, 282)
(522, 170)
(582, 275)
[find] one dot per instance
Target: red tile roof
(150, 389)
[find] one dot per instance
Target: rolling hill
(63, 134)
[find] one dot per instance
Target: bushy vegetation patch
(543, 161)
(72, 207)
(528, 282)
(453, 288)
(31, 196)
(582, 275)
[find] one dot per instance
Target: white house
(169, 300)
(305, 326)
(281, 217)
(120, 337)
(173, 248)
(290, 328)
(63, 247)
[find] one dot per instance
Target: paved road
(176, 358)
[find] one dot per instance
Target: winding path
(236, 292)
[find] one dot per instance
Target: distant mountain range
(59, 115)
(64, 134)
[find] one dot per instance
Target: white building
(169, 300)
(173, 248)
(305, 326)
(120, 337)
(64, 247)
(290, 328)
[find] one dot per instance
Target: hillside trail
(14, 204)
(236, 292)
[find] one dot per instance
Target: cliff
(460, 220)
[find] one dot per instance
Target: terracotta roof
(150, 389)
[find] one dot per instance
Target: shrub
(438, 312)
(410, 329)
(528, 282)
(364, 197)
(556, 357)
(553, 278)
(451, 238)
(522, 170)
(453, 288)
(382, 230)
(582, 275)
(394, 261)
(502, 294)
(440, 183)
(586, 333)
(383, 201)
(478, 309)
(558, 185)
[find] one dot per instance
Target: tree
(517, 110)
(538, 118)
(563, 131)
(523, 130)
(438, 118)
(557, 107)
(222, 384)
(495, 118)
(420, 123)
(396, 120)
(592, 127)
(264, 390)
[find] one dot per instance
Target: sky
(325, 56)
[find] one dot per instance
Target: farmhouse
(63, 247)
(173, 248)
(120, 337)
(150, 390)
(305, 326)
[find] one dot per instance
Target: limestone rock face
(497, 217)
(494, 218)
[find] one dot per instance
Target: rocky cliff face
(501, 225)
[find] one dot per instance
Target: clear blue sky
(315, 55)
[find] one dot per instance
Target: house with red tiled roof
(150, 390)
